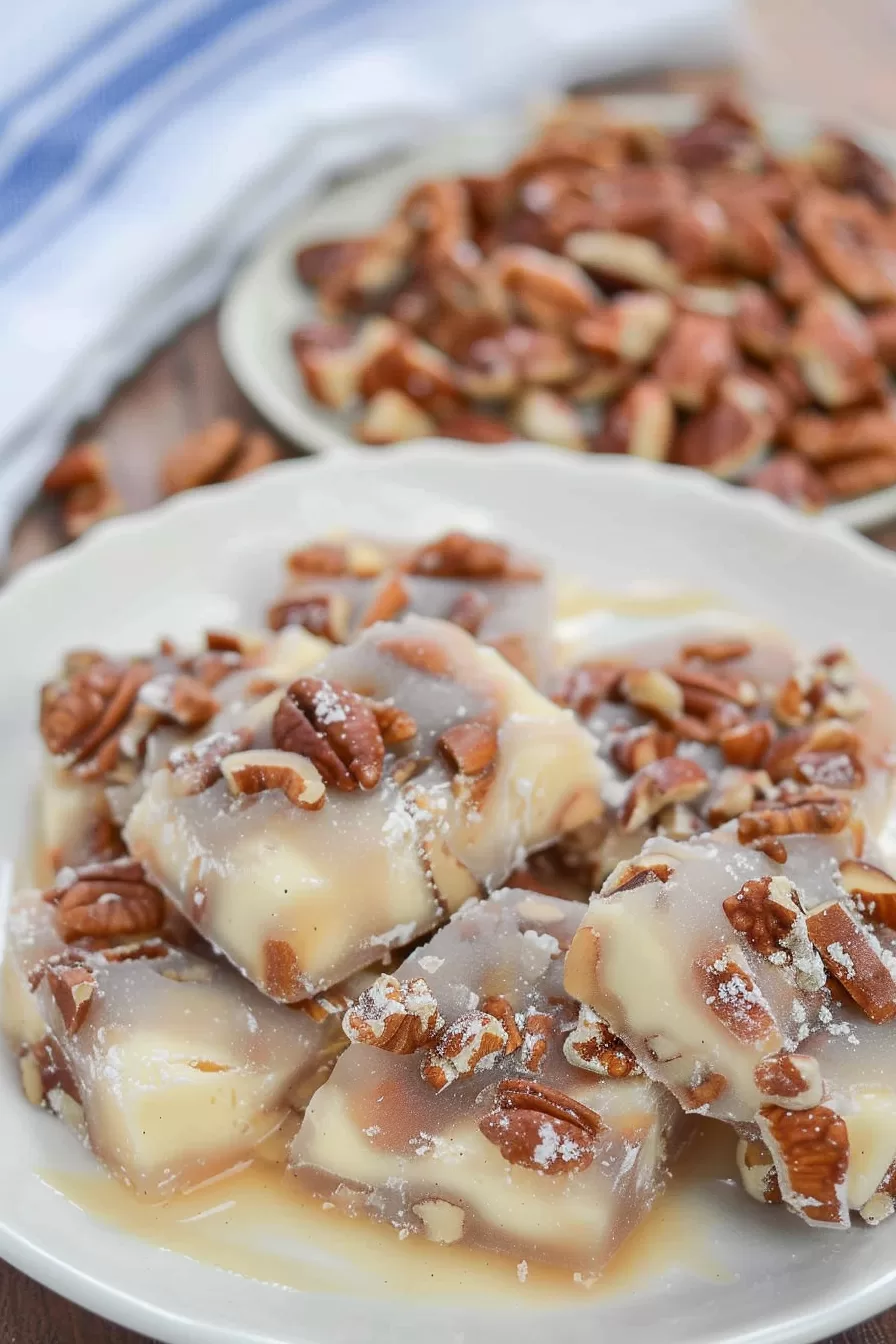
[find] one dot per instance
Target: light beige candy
(521, 1150)
(699, 956)
(300, 898)
(170, 1066)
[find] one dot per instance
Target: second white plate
(266, 300)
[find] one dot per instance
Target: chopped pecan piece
(457, 555)
(497, 1006)
(641, 423)
(728, 434)
(423, 655)
(792, 480)
(395, 1015)
(392, 417)
(732, 995)
(537, 1030)
(835, 351)
(323, 614)
(388, 602)
(202, 456)
(263, 770)
(760, 326)
(745, 744)
(811, 1154)
(653, 691)
(624, 259)
(642, 746)
(106, 900)
(549, 418)
(395, 724)
(195, 769)
(790, 1080)
(765, 911)
(850, 242)
(471, 746)
(855, 959)
(705, 1091)
(469, 611)
(860, 475)
(757, 1171)
(72, 988)
(179, 697)
(696, 355)
(873, 891)
(672, 779)
(797, 816)
(319, 559)
(629, 328)
(471, 1044)
(735, 791)
(589, 685)
(335, 729)
(593, 1046)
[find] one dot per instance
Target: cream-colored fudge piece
(421, 811)
(168, 1064)
(521, 1150)
(503, 598)
(700, 956)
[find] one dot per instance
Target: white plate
(209, 557)
(266, 301)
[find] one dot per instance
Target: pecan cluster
(689, 296)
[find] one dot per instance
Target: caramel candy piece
(410, 824)
(522, 1151)
(167, 1063)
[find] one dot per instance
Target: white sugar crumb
(431, 964)
(327, 706)
(403, 1233)
(395, 937)
(840, 957)
(546, 941)
(372, 1130)
(522, 1271)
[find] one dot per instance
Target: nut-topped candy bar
(169, 1064)
(712, 958)
(352, 814)
(103, 717)
(692, 734)
(338, 588)
(477, 1105)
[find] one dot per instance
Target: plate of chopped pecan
(643, 276)
(445, 899)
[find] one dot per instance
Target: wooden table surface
(181, 388)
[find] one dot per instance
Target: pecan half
(80, 715)
(764, 911)
(107, 900)
(395, 1015)
(799, 816)
(811, 1154)
(540, 1128)
(850, 242)
(470, 747)
(195, 769)
(853, 956)
(265, 770)
(335, 729)
(593, 1046)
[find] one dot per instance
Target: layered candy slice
(478, 1106)
(712, 959)
(338, 588)
(165, 1061)
(102, 717)
(415, 770)
(693, 732)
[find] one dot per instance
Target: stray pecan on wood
(335, 729)
(400, 1016)
(82, 478)
(222, 451)
(540, 1128)
(106, 900)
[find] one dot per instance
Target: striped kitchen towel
(145, 143)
